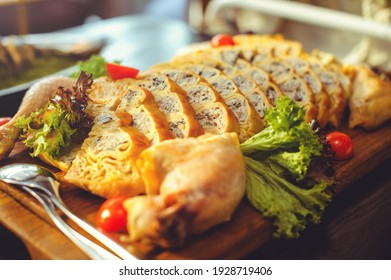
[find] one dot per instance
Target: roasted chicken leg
(192, 185)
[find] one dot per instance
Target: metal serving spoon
(40, 178)
(90, 248)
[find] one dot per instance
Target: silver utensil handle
(305, 13)
(94, 251)
(108, 242)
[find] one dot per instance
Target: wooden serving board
(247, 230)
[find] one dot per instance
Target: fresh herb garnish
(52, 128)
(96, 66)
(278, 159)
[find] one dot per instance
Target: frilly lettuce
(47, 130)
(52, 129)
(96, 66)
(278, 159)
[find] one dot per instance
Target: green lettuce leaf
(96, 66)
(52, 129)
(278, 159)
(47, 130)
(290, 206)
(285, 130)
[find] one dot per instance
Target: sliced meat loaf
(322, 99)
(170, 98)
(262, 79)
(289, 52)
(245, 83)
(106, 162)
(145, 113)
(233, 57)
(275, 44)
(330, 63)
(172, 101)
(289, 82)
(248, 87)
(210, 110)
(327, 68)
(249, 121)
(239, 58)
(333, 88)
(280, 77)
(138, 102)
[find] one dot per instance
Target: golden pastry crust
(64, 161)
(370, 102)
(106, 162)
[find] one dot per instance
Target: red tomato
(111, 216)
(222, 40)
(117, 71)
(4, 120)
(341, 145)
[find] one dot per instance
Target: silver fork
(37, 177)
(91, 249)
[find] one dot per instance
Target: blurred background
(40, 16)
(37, 16)
(146, 32)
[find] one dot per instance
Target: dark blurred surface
(11, 248)
(9, 103)
(139, 41)
(147, 32)
(51, 15)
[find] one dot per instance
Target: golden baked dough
(64, 161)
(370, 102)
(106, 162)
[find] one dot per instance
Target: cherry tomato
(341, 145)
(222, 40)
(117, 71)
(4, 120)
(111, 216)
